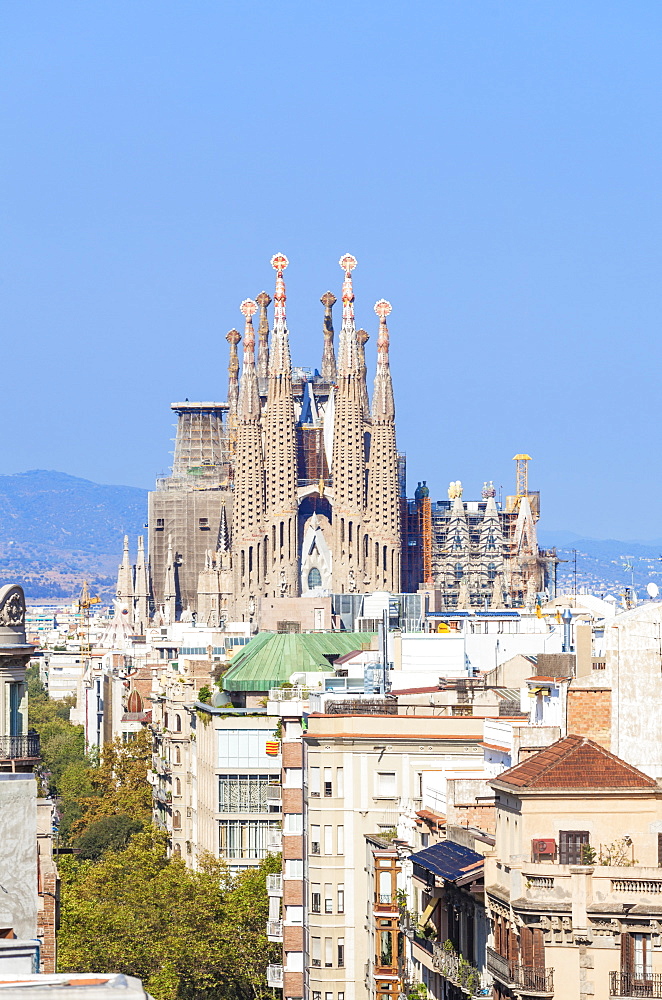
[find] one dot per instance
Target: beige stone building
(573, 883)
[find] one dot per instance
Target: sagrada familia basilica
(294, 487)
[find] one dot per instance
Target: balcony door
(636, 962)
(570, 846)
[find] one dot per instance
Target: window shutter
(526, 946)
(627, 953)
(659, 850)
(538, 948)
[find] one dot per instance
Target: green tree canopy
(189, 935)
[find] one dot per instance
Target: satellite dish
(653, 590)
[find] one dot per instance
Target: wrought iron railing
(19, 747)
(532, 978)
(635, 984)
(498, 965)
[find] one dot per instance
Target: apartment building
(347, 777)
(573, 884)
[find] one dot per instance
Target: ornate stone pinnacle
(383, 309)
(248, 308)
(233, 337)
(279, 262)
(363, 337)
(328, 300)
(263, 300)
(348, 262)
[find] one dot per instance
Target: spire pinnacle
(223, 542)
(263, 300)
(328, 300)
(347, 263)
(348, 355)
(279, 361)
(233, 338)
(249, 399)
(382, 398)
(383, 309)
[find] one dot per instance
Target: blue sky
(494, 166)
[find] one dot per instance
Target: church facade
(288, 489)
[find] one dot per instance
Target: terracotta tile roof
(575, 762)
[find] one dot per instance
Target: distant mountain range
(57, 530)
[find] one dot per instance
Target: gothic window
(491, 543)
(176, 820)
(459, 572)
(178, 724)
(491, 572)
(458, 541)
(314, 578)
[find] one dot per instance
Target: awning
(448, 860)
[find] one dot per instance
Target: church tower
(280, 455)
(249, 482)
(383, 490)
(348, 463)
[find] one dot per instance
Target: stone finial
(328, 300)
(263, 300)
(233, 338)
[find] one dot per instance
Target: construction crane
(521, 482)
(85, 601)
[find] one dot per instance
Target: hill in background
(57, 530)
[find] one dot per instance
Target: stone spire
(124, 592)
(348, 354)
(233, 338)
(382, 397)
(350, 546)
(263, 300)
(249, 488)
(383, 490)
(280, 453)
(362, 338)
(328, 300)
(141, 589)
(170, 587)
(223, 541)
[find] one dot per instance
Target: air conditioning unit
(543, 849)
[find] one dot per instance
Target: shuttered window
(570, 846)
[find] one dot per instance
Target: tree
(119, 785)
(110, 833)
(189, 935)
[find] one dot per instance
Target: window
(340, 782)
(293, 824)
(315, 843)
(316, 952)
(570, 846)
(318, 617)
(491, 572)
(317, 995)
(315, 897)
(328, 953)
(328, 996)
(294, 915)
(238, 793)
(294, 961)
(294, 869)
(177, 755)
(385, 948)
(314, 782)
(341, 839)
(203, 523)
(459, 572)
(328, 782)
(241, 749)
(341, 952)
(386, 785)
(328, 898)
(328, 840)
(160, 524)
(244, 838)
(314, 578)
(176, 820)
(341, 898)
(293, 777)
(178, 786)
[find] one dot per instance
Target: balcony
(274, 841)
(20, 747)
(275, 930)
(274, 795)
(523, 977)
(458, 971)
(275, 976)
(498, 965)
(635, 984)
(274, 885)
